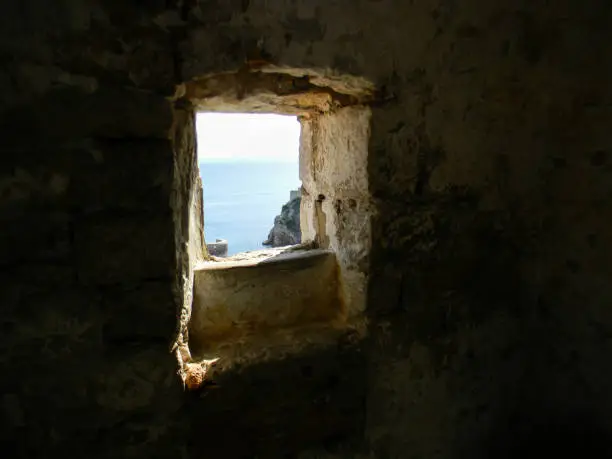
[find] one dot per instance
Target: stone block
(41, 276)
(240, 301)
(90, 175)
(107, 178)
(66, 114)
(146, 313)
(124, 250)
(348, 227)
(137, 379)
(334, 153)
(53, 327)
(38, 236)
(36, 179)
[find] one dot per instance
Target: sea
(242, 198)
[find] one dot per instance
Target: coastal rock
(286, 229)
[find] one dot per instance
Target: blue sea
(241, 200)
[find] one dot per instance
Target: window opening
(249, 165)
(274, 303)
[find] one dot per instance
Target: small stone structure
(218, 248)
(293, 194)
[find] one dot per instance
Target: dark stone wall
(88, 253)
(489, 171)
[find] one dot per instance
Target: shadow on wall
(269, 417)
(571, 435)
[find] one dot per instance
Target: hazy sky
(247, 137)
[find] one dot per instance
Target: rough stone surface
(265, 305)
(286, 229)
(485, 181)
(336, 211)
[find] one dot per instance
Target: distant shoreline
(245, 161)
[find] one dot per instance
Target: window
(244, 310)
(249, 167)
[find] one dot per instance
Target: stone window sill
(265, 304)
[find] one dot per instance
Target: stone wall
(488, 185)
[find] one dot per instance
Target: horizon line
(248, 160)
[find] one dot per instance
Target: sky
(247, 137)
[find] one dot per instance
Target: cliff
(286, 229)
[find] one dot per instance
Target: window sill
(266, 304)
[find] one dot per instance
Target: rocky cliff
(286, 229)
